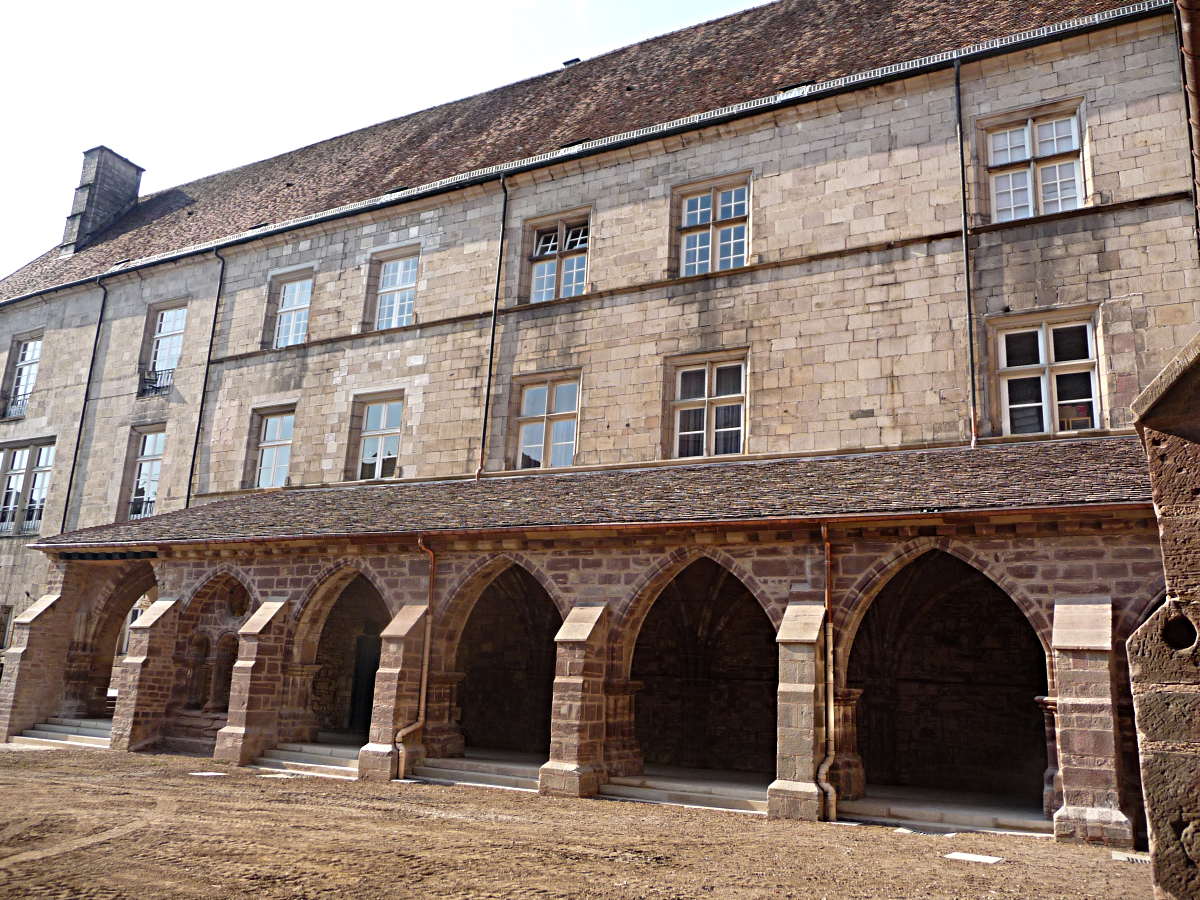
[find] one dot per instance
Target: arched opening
(707, 664)
(506, 656)
(950, 669)
(206, 648)
(347, 657)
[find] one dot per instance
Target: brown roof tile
(1000, 477)
(739, 57)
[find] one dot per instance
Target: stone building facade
(786, 431)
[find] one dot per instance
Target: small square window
(710, 409)
(1041, 394)
(558, 266)
(1035, 168)
(709, 243)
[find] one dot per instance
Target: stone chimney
(108, 188)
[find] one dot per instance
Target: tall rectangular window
(39, 487)
(397, 292)
(16, 466)
(546, 423)
(166, 346)
(147, 468)
(1048, 380)
(559, 262)
(710, 408)
(713, 229)
(379, 444)
(274, 449)
(27, 358)
(24, 485)
(1035, 167)
(291, 319)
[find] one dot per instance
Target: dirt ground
(100, 825)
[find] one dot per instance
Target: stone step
(192, 746)
(676, 784)
(439, 775)
(484, 766)
(274, 764)
(335, 751)
(104, 725)
(932, 814)
(685, 798)
(51, 739)
(82, 730)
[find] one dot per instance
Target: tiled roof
(999, 477)
(729, 60)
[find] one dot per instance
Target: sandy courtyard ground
(99, 825)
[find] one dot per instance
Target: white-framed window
(291, 318)
(709, 408)
(167, 344)
(1048, 378)
(379, 444)
(713, 229)
(25, 482)
(397, 292)
(27, 357)
(547, 423)
(559, 261)
(1035, 167)
(146, 470)
(274, 449)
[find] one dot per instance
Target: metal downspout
(87, 390)
(487, 390)
(966, 252)
(212, 336)
(830, 743)
(424, 689)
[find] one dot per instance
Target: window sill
(1088, 210)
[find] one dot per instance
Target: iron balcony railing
(155, 382)
(15, 405)
(141, 507)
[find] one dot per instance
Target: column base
(234, 746)
(794, 800)
(567, 780)
(1093, 825)
(378, 762)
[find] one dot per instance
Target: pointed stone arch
(631, 613)
(851, 606)
(309, 615)
(212, 579)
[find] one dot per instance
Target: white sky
(189, 89)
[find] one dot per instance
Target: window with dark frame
(547, 423)
(1048, 378)
(709, 409)
(559, 261)
(1035, 167)
(712, 226)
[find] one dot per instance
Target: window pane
(390, 452)
(1009, 146)
(691, 432)
(398, 273)
(533, 400)
(295, 294)
(696, 251)
(1026, 420)
(574, 275)
(285, 426)
(1076, 416)
(731, 247)
(394, 414)
(373, 420)
(547, 242)
(45, 455)
(395, 308)
(1070, 343)
(171, 321)
(562, 442)
(1011, 195)
(1024, 390)
(732, 203)
(544, 276)
(566, 396)
(691, 384)
(697, 210)
(729, 416)
(1059, 191)
(532, 436)
(1056, 137)
(1075, 386)
(1022, 349)
(370, 454)
(728, 381)
(577, 237)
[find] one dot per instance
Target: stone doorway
(707, 666)
(946, 672)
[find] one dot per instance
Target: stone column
(443, 736)
(622, 752)
(1052, 795)
(1088, 751)
(148, 678)
(397, 699)
(256, 693)
(794, 793)
(34, 666)
(576, 764)
(847, 773)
